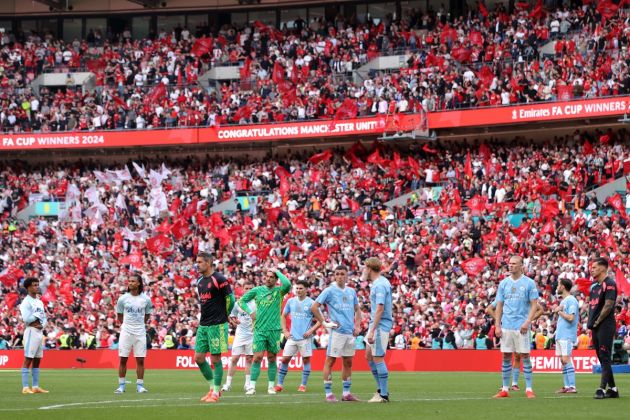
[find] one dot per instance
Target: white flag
(165, 172)
(72, 194)
(92, 195)
(140, 169)
(120, 202)
(155, 179)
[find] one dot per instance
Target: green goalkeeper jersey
(268, 304)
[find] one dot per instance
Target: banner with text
(545, 111)
(397, 360)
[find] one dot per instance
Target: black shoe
(385, 398)
(599, 394)
(610, 393)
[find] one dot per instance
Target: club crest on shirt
(513, 289)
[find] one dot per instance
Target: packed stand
(317, 212)
(486, 58)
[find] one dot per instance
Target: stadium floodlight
(625, 119)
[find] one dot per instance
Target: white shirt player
(31, 310)
(134, 308)
(245, 329)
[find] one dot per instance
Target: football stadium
(279, 208)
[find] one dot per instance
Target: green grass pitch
(89, 394)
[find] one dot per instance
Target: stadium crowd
(445, 248)
(485, 58)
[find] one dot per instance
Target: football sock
(346, 386)
(35, 373)
(248, 379)
(252, 384)
(527, 372)
(140, 382)
(25, 372)
(272, 371)
(255, 371)
(383, 377)
(306, 371)
(228, 381)
(206, 371)
(565, 376)
(122, 381)
(328, 387)
(506, 371)
(374, 372)
(284, 368)
(515, 374)
(570, 374)
(218, 376)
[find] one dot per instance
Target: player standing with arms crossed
(601, 320)
(381, 323)
(133, 310)
(243, 340)
(566, 333)
(343, 309)
(217, 301)
(299, 339)
(267, 328)
(34, 317)
(516, 307)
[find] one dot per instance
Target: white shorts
(379, 347)
(340, 345)
(292, 347)
(33, 343)
(130, 341)
(564, 347)
(243, 349)
(512, 341)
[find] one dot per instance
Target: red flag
(223, 236)
(281, 172)
(278, 72)
(11, 276)
(623, 282)
(164, 227)
(549, 209)
(482, 9)
(486, 76)
(217, 220)
(426, 148)
(10, 299)
(97, 296)
(414, 165)
(181, 282)
(583, 285)
(120, 102)
(324, 156)
(538, 11)
(190, 209)
(565, 92)
(320, 254)
(159, 244)
(616, 203)
(548, 229)
(484, 151)
(473, 266)
(299, 222)
(607, 241)
(607, 8)
(348, 109)
(587, 149)
(468, 171)
(366, 229)
(181, 229)
(375, 158)
(134, 260)
(273, 214)
(243, 112)
(354, 206)
(477, 204)
(355, 161)
(461, 54)
(604, 139)
(202, 46)
(345, 222)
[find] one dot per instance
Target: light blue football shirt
(566, 330)
(32, 309)
(340, 305)
(381, 294)
(301, 316)
(516, 296)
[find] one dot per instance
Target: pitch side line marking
(242, 400)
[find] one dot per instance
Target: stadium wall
(397, 360)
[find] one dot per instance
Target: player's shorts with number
(128, 342)
(564, 347)
(340, 345)
(512, 341)
(379, 347)
(267, 341)
(33, 343)
(292, 347)
(212, 339)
